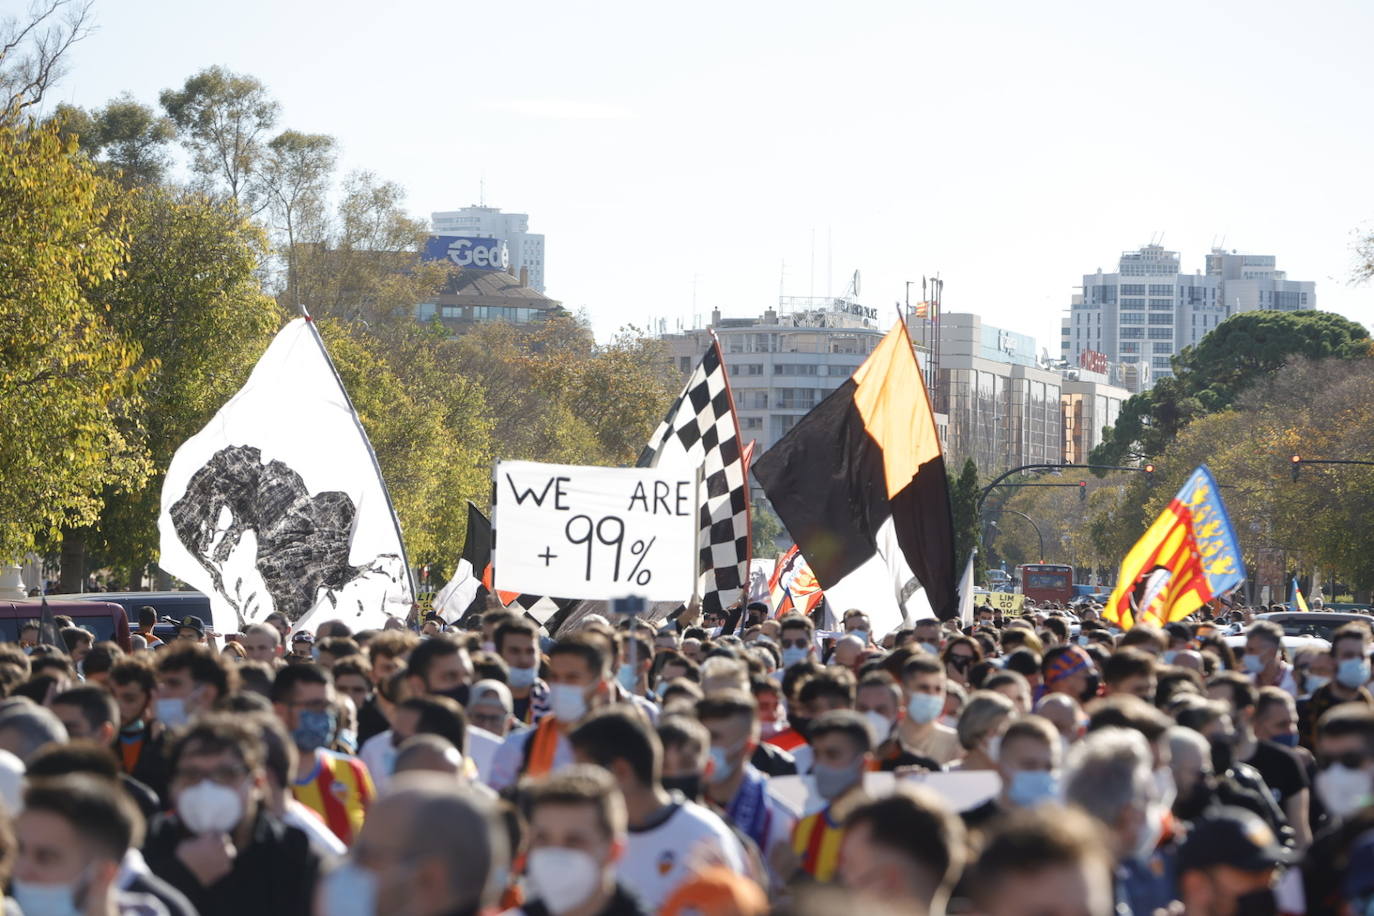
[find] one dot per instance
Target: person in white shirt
(668, 838)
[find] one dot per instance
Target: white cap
(486, 691)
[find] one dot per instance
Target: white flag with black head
(278, 503)
(701, 429)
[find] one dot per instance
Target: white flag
(966, 592)
(278, 503)
(453, 599)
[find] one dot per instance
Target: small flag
(477, 557)
(1299, 603)
(925, 310)
(278, 504)
(966, 592)
(701, 429)
(1186, 558)
(860, 484)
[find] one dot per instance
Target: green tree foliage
(1208, 377)
(223, 119)
(963, 502)
(188, 293)
(127, 138)
(70, 387)
(765, 529)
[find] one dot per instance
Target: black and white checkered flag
(701, 428)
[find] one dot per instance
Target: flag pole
(371, 453)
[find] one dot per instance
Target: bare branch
(30, 77)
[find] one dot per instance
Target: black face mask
(1257, 903)
(1190, 807)
(1223, 755)
(458, 694)
(1091, 688)
(689, 786)
(801, 723)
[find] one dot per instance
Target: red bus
(1046, 582)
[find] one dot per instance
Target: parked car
(1313, 623)
(171, 607)
(106, 619)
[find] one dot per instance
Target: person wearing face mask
(1110, 775)
(221, 846)
(981, 723)
(903, 852)
(578, 684)
(190, 680)
(73, 833)
(1345, 786)
(879, 701)
(577, 831)
(686, 755)
(734, 788)
(960, 655)
(440, 667)
(1350, 654)
(1263, 659)
(335, 786)
(1228, 865)
(139, 744)
(856, 624)
(669, 837)
(920, 731)
(1028, 762)
(843, 748)
(517, 642)
(830, 689)
(429, 848)
(1199, 788)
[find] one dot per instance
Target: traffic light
(1296, 462)
(1082, 491)
(1149, 475)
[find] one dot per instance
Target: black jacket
(274, 874)
(622, 903)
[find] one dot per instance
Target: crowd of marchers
(731, 765)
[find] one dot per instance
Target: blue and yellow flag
(1299, 602)
(1186, 558)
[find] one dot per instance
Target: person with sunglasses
(960, 655)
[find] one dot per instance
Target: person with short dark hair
(1046, 861)
(1350, 660)
(335, 786)
(1029, 768)
(222, 848)
(1130, 671)
(516, 640)
(920, 730)
(843, 745)
(905, 850)
(95, 667)
(579, 683)
(662, 828)
(442, 667)
(190, 680)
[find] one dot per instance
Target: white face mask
(1343, 790)
(208, 807)
(567, 702)
(349, 890)
(171, 711)
(562, 878)
(45, 899)
(879, 724)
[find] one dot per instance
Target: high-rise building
(526, 248)
(1148, 310)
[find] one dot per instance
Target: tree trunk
(163, 581)
(72, 579)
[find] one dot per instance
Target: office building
(1004, 409)
(1089, 402)
(786, 361)
(484, 288)
(526, 248)
(1148, 310)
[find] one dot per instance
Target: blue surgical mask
(928, 648)
(721, 767)
(862, 634)
(832, 782)
(1287, 739)
(45, 899)
(1170, 655)
(626, 676)
(792, 656)
(925, 707)
(171, 711)
(520, 678)
(349, 890)
(314, 729)
(1353, 672)
(1031, 787)
(1253, 663)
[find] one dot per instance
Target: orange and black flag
(860, 484)
(1189, 556)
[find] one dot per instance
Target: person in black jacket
(222, 848)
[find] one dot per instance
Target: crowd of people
(1034, 765)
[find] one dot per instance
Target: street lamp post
(1038, 533)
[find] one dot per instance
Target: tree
(963, 502)
(128, 139)
(188, 294)
(765, 529)
(222, 118)
(31, 52)
(71, 388)
(296, 170)
(1208, 377)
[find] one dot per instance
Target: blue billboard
(468, 252)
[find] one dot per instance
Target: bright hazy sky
(1009, 146)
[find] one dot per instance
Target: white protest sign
(600, 533)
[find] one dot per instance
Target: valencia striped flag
(860, 485)
(1186, 558)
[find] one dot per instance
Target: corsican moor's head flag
(860, 484)
(278, 503)
(1186, 558)
(701, 429)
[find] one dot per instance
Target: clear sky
(685, 152)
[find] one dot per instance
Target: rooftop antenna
(812, 291)
(482, 190)
(829, 252)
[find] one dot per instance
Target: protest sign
(590, 532)
(1009, 604)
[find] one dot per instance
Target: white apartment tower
(1149, 310)
(526, 248)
